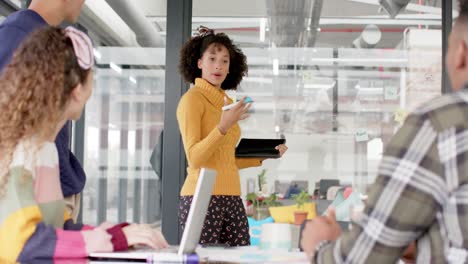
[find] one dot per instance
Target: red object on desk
(347, 192)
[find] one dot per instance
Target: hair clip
(82, 46)
(204, 31)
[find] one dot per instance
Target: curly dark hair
(194, 49)
(34, 90)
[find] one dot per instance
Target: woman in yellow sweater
(210, 135)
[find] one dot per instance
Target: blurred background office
(335, 77)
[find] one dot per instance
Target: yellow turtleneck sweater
(198, 114)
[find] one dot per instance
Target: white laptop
(192, 231)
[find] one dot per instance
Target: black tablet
(258, 148)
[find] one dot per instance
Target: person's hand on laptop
(322, 228)
(97, 240)
(142, 234)
(106, 225)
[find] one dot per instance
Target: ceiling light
(258, 80)
(275, 67)
(320, 86)
(115, 67)
(97, 54)
(262, 29)
(370, 90)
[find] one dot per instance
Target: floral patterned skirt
(225, 222)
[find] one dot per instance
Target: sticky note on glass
(400, 115)
(391, 93)
(361, 135)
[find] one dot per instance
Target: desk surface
(210, 255)
(251, 255)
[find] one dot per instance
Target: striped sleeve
(410, 176)
(50, 242)
(42, 225)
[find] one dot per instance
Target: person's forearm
(243, 163)
(198, 153)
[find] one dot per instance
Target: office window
(125, 115)
(335, 77)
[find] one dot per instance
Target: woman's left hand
(143, 234)
(282, 149)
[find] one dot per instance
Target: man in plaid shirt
(421, 192)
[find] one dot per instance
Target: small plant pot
(300, 217)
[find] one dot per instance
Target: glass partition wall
(335, 78)
(124, 120)
(125, 116)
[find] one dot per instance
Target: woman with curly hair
(214, 64)
(47, 83)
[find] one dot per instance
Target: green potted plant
(260, 205)
(262, 181)
(300, 215)
(272, 200)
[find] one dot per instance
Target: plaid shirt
(421, 193)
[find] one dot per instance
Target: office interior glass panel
(336, 78)
(124, 116)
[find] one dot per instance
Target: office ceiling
(341, 23)
(292, 22)
(286, 22)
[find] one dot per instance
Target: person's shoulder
(28, 152)
(444, 102)
(23, 21)
(48, 147)
(445, 111)
(193, 95)
(192, 101)
(48, 154)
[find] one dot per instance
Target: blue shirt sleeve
(72, 175)
(11, 39)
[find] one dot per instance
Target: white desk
(250, 254)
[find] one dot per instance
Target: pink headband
(82, 46)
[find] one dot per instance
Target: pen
(227, 107)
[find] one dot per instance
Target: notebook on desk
(192, 231)
(258, 148)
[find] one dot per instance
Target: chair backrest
(332, 191)
(325, 184)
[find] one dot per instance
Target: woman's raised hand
(233, 115)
